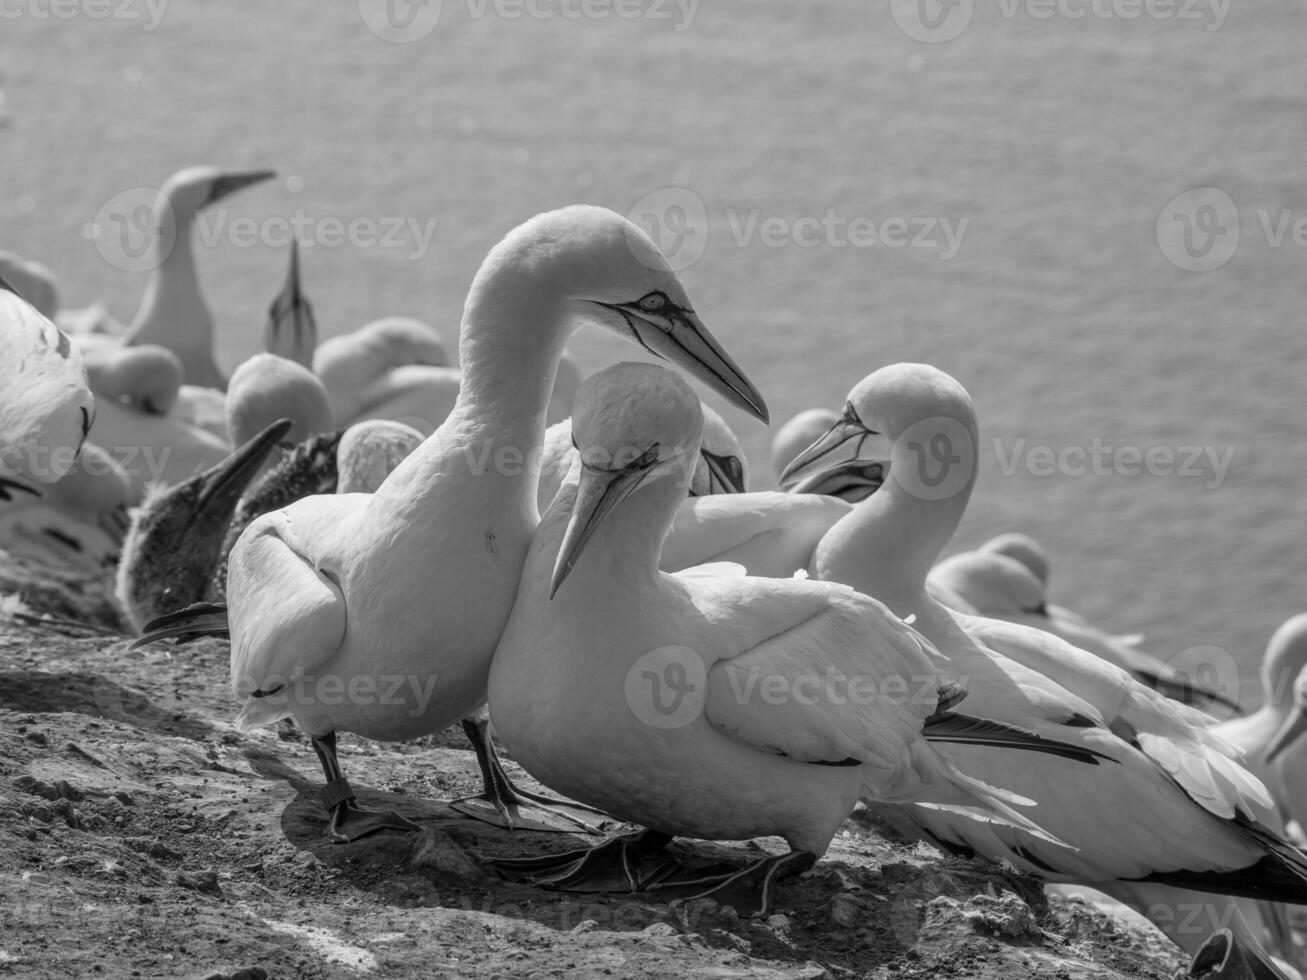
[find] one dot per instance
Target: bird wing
(1178, 738)
(769, 533)
(285, 605)
(819, 673)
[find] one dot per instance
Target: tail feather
(989, 804)
(196, 620)
(955, 728)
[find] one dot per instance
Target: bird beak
(853, 480)
(224, 483)
(1289, 732)
(725, 474)
(227, 184)
(679, 336)
(290, 308)
(599, 492)
(839, 446)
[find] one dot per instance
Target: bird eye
(850, 415)
(735, 468)
(653, 302)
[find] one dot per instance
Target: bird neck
(172, 311)
(512, 338)
(887, 544)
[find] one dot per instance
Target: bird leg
(749, 891)
(504, 805)
(348, 822)
(619, 864)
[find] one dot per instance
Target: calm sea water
(1053, 144)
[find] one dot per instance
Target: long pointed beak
(853, 480)
(599, 492)
(1292, 730)
(686, 342)
(223, 483)
(291, 308)
(723, 477)
(230, 183)
(839, 445)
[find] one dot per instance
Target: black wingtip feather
(959, 729)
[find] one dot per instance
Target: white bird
(854, 480)
(46, 405)
(77, 523)
(172, 312)
(716, 753)
(1272, 736)
(266, 387)
(398, 368)
(992, 584)
(415, 581)
(721, 467)
(797, 434)
(32, 281)
(292, 329)
(356, 367)
(1175, 812)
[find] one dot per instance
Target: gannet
(994, 585)
(267, 386)
(146, 378)
(32, 281)
(1176, 812)
(46, 405)
(175, 535)
(354, 367)
(1024, 549)
(415, 581)
(1032, 554)
(172, 312)
(397, 368)
(721, 467)
(77, 523)
(292, 329)
(569, 690)
(1272, 736)
(854, 479)
(798, 434)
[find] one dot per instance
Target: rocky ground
(142, 836)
